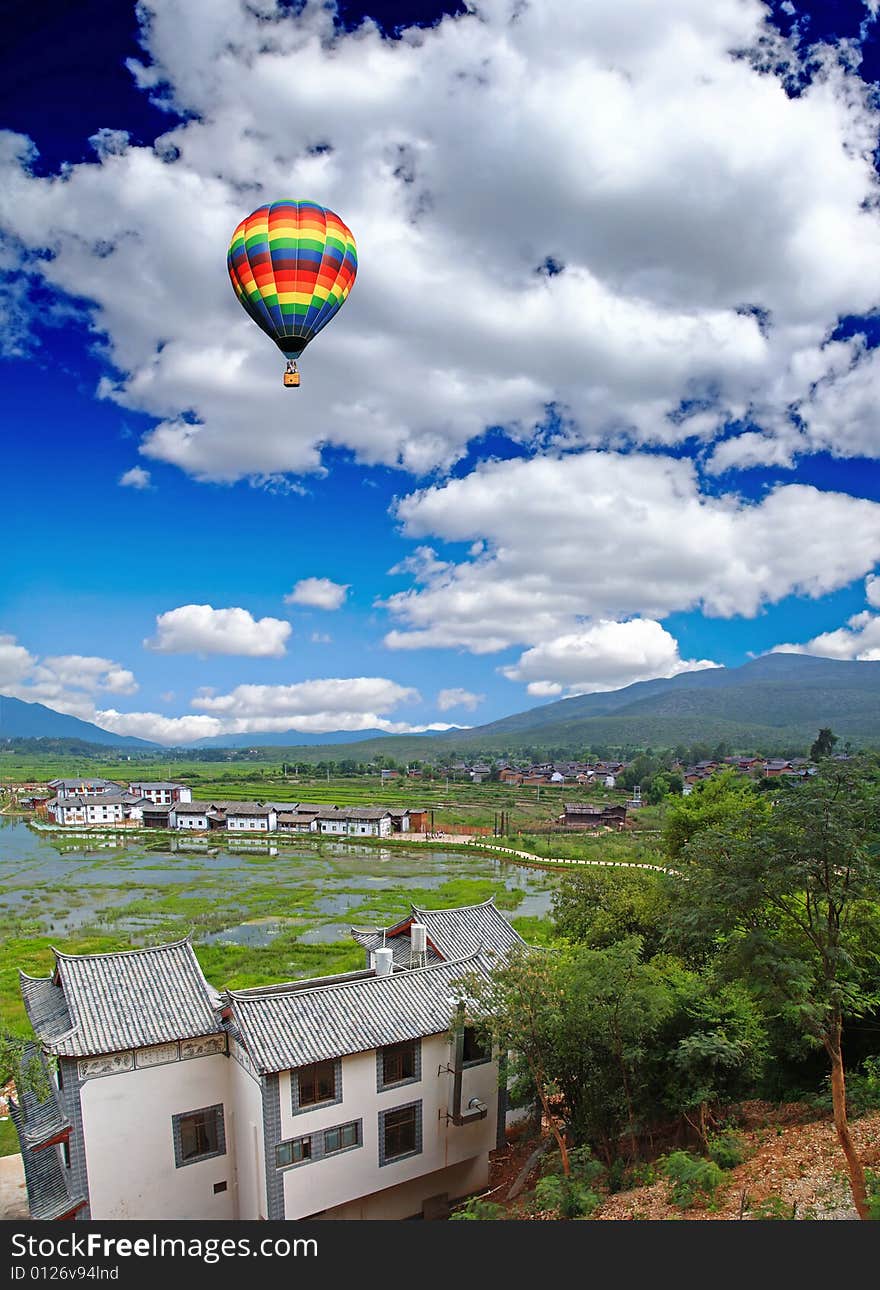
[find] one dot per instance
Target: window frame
(305, 1159)
(340, 1129)
(180, 1162)
(468, 1062)
(298, 1107)
(382, 1081)
(416, 1149)
(317, 1141)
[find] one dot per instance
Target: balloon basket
(291, 378)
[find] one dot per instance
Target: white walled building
(83, 787)
(356, 1096)
(250, 817)
(355, 821)
(102, 808)
(162, 792)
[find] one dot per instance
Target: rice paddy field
(455, 802)
(259, 910)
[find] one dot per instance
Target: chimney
(384, 961)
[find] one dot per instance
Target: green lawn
(8, 1139)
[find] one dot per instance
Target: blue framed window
(398, 1064)
(198, 1135)
(400, 1133)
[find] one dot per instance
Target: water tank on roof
(419, 938)
(384, 960)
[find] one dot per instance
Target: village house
(362, 1095)
(162, 792)
(99, 808)
(83, 787)
(589, 815)
(357, 821)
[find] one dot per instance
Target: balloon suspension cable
(291, 365)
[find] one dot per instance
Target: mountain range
(768, 701)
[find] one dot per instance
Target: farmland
(454, 802)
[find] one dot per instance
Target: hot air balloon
(292, 264)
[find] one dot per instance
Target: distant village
(609, 774)
(167, 805)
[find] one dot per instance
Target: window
(198, 1135)
(400, 1133)
(477, 1047)
(316, 1084)
(293, 1152)
(399, 1064)
(342, 1137)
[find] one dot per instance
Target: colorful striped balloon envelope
(292, 264)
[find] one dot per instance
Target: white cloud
(675, 180)
(16, 663)
(858, 639)
(159, 729)
(604, 656)
(458, 698)
(334, 703)
(606, 536)
(67, 683)
(321, 593)
(201, 629)
(137, 478)
(320, 638)
(88, 673)
(544, 689)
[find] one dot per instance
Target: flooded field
(257, 910)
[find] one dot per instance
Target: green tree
(520, 1006)
(715, 802)
(713, 1049)
(823, 744)
(664, 784)
(598, 907)
(614, 1005)
(793, 893)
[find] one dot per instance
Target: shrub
(727, 1149)
(622, 1177)
(772, 1207)
(873, 1181)
(569, 1197)
(862, 1090)
(475, 1208)
(584, 1168)
(691, 1176)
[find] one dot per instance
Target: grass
(120, 905)
(8, 1139)
(453, 802)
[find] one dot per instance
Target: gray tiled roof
(454, 933)
(400, 946)
(46, 1006)
(48, 1194)
(40, 1120)
(353, 813)
(295, 1027)
(81, 783)
(124, 1000)
(458, 932)
(159, 783)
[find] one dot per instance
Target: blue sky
(496, 486)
